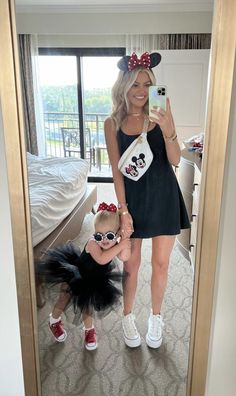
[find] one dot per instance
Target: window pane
(99, 75)
(58, 81)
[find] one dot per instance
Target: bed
(60, 197)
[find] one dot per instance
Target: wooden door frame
(218, 110)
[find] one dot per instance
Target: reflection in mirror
(67, 79)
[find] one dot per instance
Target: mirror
(200, 254)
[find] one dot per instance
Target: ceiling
(114, 5)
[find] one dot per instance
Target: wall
(221, 371)
(11, 373)
(114, 23)
(82, 40)
(185, 74)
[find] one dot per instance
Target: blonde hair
(105, 216)
(119, 92)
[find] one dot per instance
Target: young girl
(87, 279)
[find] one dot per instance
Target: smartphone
(157, 97)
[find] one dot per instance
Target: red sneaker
(90, 339)
(58, 331)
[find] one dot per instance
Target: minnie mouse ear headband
(104, 206)
(146, 60)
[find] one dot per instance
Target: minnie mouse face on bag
(131, 170)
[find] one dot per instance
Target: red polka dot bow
(128, 63)
(105, 206)
(134, 61)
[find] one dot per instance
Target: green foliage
(64, 99)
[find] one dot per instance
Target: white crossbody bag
(137, 158)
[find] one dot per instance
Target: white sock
(159, 314)
(88, 328)
(52, 320)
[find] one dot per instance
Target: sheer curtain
(140, 43)
(39, 115)
(32, 104)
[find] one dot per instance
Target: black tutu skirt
(92, 287)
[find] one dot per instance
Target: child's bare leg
(88, 320)
(90, 339)
(62, 302)
(55, 323)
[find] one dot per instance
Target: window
(76, 93)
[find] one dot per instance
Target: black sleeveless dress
(92, 287)
(155, 201)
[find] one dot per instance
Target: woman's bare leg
(131, 267)
(161, 250)
(131, 335)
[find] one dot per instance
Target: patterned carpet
(113, 369)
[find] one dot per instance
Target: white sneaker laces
(129, 326)
(156, 325)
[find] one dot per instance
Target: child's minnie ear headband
(146, 60)
(104, 206)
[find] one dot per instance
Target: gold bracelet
(124, 213)
(171, 138)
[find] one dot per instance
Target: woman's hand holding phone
(164, 119)
(157, 97)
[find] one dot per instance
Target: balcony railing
(54, 121)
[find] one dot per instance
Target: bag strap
(134, 144)
(145, 125)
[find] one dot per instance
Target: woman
(153, 206)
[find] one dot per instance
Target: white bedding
(55, 186)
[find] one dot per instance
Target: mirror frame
(15, 152)
(220, 80)
(218, 111)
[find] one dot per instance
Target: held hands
(164, 119)
(126, 229)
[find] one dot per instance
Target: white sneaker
(154, 334)
(131, 334)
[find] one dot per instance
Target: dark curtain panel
(28, 93)
(151, 42)
(188, 41)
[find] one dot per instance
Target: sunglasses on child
(110, 236)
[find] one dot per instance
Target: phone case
(157, 97)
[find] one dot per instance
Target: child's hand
(125, 249)
(126, 226)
